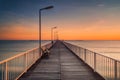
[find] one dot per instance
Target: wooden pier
(62, 64)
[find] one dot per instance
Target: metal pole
(54, 36)
(26, 61)
(6, 71)
(45, 8)
(115, 69)
(85, 55)
(39, 32)
(51, 34)
(94, 62)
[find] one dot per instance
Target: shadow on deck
(62, 64)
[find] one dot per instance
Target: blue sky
(85, 15)
(29, 8)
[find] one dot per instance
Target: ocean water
(108, 48)
(10, 48)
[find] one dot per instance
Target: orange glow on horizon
(78, 20)
(25, 34)
(93, 32)
(61, 37)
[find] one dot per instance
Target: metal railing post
(6, 71)
(26, 62)
(79, 52)
(33, 56)
(9, 66)
(115, 69)
(106, 66)
(94, 62)
(85, 55)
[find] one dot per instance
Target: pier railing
(12, 68)
(107, 67)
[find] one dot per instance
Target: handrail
(97, 53)
(13, 67)
(20, 54)
(103, 55)
(107, 67)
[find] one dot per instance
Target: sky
(75, 19)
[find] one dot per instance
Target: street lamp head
(48, 7)
(53, 27)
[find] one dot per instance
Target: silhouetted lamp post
(56, 35)
(52, 33)
(45, 8)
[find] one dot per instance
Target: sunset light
(79, 20)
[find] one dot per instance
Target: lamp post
(40, 10)
(56, 35)
(52, 33)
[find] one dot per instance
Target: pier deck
(62, 64)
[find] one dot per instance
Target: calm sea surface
(108, 48)
(9, 48)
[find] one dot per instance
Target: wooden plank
(61, 65)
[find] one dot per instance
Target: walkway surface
(61, 65)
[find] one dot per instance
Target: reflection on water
(106, 66)
(108, 48)
(10, 48)
(15, 67)
(18, 65)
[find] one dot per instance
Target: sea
(9, 48)
(110, 48)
